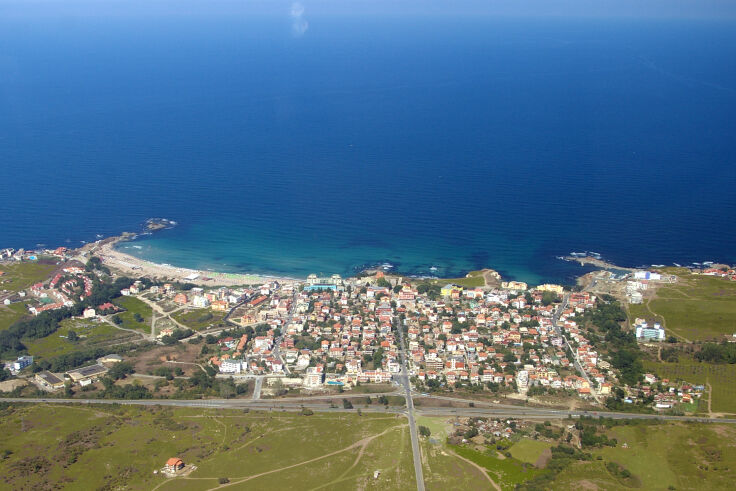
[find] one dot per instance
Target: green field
(664, 456)
(529, 451)
(472, 280)
(721, 377)
(19, 276)
(108, 447)
(91, 335)
(11, 313)
(134, 306)
(444, 471)
(697, 307)
(198, 319)
(507, 472)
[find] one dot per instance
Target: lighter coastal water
(288, 142)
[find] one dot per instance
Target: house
(180, 298)
(49, 381)
(174, 464)
(219, 305)
(89, 313)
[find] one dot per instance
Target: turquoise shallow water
(443, 140)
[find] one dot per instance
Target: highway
(404, 378)
(516, 412)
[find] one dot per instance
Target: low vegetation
(110, 447)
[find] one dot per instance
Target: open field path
(664, 322)
(139, 333)
(238, 480)
(481, 469)
(186, 363)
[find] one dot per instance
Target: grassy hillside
(19, 276)
(666, 456)
(697, 307)
(134, 306)
(106, 447)
(720, 377)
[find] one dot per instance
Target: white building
(231, 366)
(200, 302)
(644, 332)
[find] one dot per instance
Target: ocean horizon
(290, 141)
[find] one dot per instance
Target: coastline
(597, 262)
(130, 265)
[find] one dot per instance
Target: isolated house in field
(174, 464)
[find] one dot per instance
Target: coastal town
(476, 364)
(500, 338)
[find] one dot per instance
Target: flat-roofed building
(49, 381)
(91, 372)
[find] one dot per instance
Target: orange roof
(173, 461)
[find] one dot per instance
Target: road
(404, 378)
(277, 342)
(287, 405)
(575, 359)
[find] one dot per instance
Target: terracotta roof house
(174, 464)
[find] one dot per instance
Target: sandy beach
(132, 266)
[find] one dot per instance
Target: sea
(291, 138)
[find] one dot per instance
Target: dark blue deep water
(446, 140)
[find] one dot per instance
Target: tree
(347, 404)
(72, 337)
(120, 370)
(424, 431)
(138, 317)
(471, 433)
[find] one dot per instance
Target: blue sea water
(290, 141)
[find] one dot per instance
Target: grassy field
(666, 456)
(134, 306)
(11, 313)
(507, 472)
(91, 335)
(722, 379)
(472, 280)
(443, 471)
(114, 447)
(527, 450)
(19, 276)
(697, 307)
(198, 319)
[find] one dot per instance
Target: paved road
(277, 342)
(404, 378)
(574, 352)
(286, 405)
